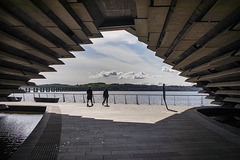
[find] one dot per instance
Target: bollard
(137, 99)
(149, 101)
(74, 98)
(83, 99)
(23, 97)
(114, 100)
(63, 98)
(125, 99)
(161, 100)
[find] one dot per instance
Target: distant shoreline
(112, 87)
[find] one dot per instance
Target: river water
(14, 129)
(126, 97)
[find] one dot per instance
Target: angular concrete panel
(156, 18)
(141, 26)
(142, 8)
(220, 10)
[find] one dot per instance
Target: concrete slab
(198, 29)
(182, 12)
(153, 39)
(195, 56)
(162, 3)
(141, 26)
(21, 45)
(184, 45)
(169, 37)
(81, 11)
(59, 10)
(220, 10)
(142, 8)
(174, 55)
(224, 39)
(161, 51)
(156, 18)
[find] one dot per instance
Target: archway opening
(117, 58)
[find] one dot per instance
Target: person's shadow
(171, 110)
(89, 105)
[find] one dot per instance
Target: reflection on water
(14, 129)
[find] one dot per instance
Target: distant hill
(118, 87)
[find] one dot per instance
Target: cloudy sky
(117, 58)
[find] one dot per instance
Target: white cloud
(105, 74)
(128, 75)
(119, 75)
(140, 75)
(166, 69)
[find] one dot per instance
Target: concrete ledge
(226, 131)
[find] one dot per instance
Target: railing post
(54, 95)
(47, 95)
(174, 101)
(201, 100)
(39, 95)
(74, 98)
(161, 100)
(149, 101)
(23, 97)
(125, 99)
(137, 99)
(63, 98)
(83, 99)
(188, 100)
(114, 100)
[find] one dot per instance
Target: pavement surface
(73, 131)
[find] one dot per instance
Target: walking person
(105, 97)
(89, 96)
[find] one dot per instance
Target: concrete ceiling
(199, 38)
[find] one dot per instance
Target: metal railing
(121, 98)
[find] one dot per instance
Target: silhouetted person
(89, 95)
(105, 97)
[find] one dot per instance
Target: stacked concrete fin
(200, 38)
(36, 34)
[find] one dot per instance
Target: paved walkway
(140, 132)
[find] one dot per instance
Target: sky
(117, 58)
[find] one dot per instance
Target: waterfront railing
(151, 99)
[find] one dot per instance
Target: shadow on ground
(180, 136)
(177, 137)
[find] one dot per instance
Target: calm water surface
(127, 97)
(14, 129)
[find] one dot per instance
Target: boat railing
(120, 98)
